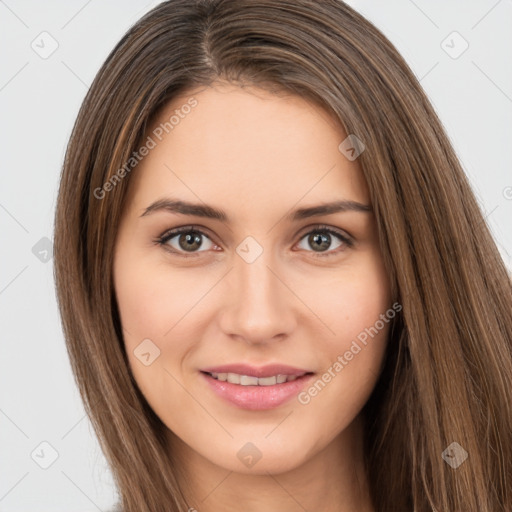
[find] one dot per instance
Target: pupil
(190, 241)
(323, 239)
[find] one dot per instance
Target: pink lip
(257, 398)
(253, 371)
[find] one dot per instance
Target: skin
(256, 155)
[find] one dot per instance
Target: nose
(259, 306)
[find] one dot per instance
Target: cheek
(146, 313)
(349, 301)
(357, 308)
(149, 306)
(358, 313)
(162, 305)
(150, 298)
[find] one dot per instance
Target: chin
(258, 456)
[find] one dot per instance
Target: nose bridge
(259, 305)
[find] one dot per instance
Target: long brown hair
(448, 370)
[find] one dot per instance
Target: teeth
(248, 380)
(268, 381)
(245, 380)
(234, 378)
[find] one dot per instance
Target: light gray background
(39, 100)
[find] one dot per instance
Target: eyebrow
(204, 210)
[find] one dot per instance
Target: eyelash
(168, 235)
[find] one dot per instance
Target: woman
(276, 286)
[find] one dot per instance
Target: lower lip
(257, 398)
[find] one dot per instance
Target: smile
(256, 393)
(248, 380)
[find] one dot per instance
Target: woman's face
(255, 290)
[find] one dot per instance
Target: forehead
(245, 149)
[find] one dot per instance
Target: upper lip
(256, 371)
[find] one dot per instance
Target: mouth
(249, 380)
(256, 389)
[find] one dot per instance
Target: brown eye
(186, 240)
(321, 241)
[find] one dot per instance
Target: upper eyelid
(171, 233)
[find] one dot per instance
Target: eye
(186, 239)
(321, 239)
(189, 240)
